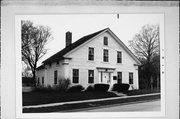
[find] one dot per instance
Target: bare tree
(34, 39)
(145, 45)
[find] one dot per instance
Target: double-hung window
(90, 76)
(91, 54)
(75, 75)
(119, 77)
(38, 81)
(43, 80)
(105, 55)
(130, 78)
(55, 77)
(119, 57)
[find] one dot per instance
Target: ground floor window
(90, 76)
(55, 77)
(130, 78)
(119, 77)
(43, 80)
(75, 75)
(38, 81)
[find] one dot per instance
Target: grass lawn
(73, 107)
(36, 98)
(140, 92)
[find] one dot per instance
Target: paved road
(140, 106)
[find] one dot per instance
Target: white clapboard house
(100, 57)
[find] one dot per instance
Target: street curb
(88, 101)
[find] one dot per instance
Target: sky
(125, 26)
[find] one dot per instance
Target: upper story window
(130, 78)
(91, 54)
(55, 77)
(90, 76)
(105, 55)
(105, 40)
(119, 57)
(75, 75)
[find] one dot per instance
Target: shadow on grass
(38, 97)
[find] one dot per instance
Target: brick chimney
(68, 38)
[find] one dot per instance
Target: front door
(106, 77)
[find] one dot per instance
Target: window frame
(105, 55)
(131, 78)
(55, 76)
(90, 79)
(42, 80)
(105, 40)
(119, 59)
(75, 79)
(38, 81)
(90, 55)
(119, 78)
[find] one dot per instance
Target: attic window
(105, 40)
(49, 64)
(57, 62)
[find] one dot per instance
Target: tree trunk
(34, 76)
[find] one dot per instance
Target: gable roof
(40, 67)
(59, 55)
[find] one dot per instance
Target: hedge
(90, 88)
(101, 87)
(75, 88)
(121, 87)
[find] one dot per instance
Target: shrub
(75, 88)
(40, 88)
(28, 81)
(48, 88)
(62, 85)
(120, 87)
(90, 88)
(101, 87)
